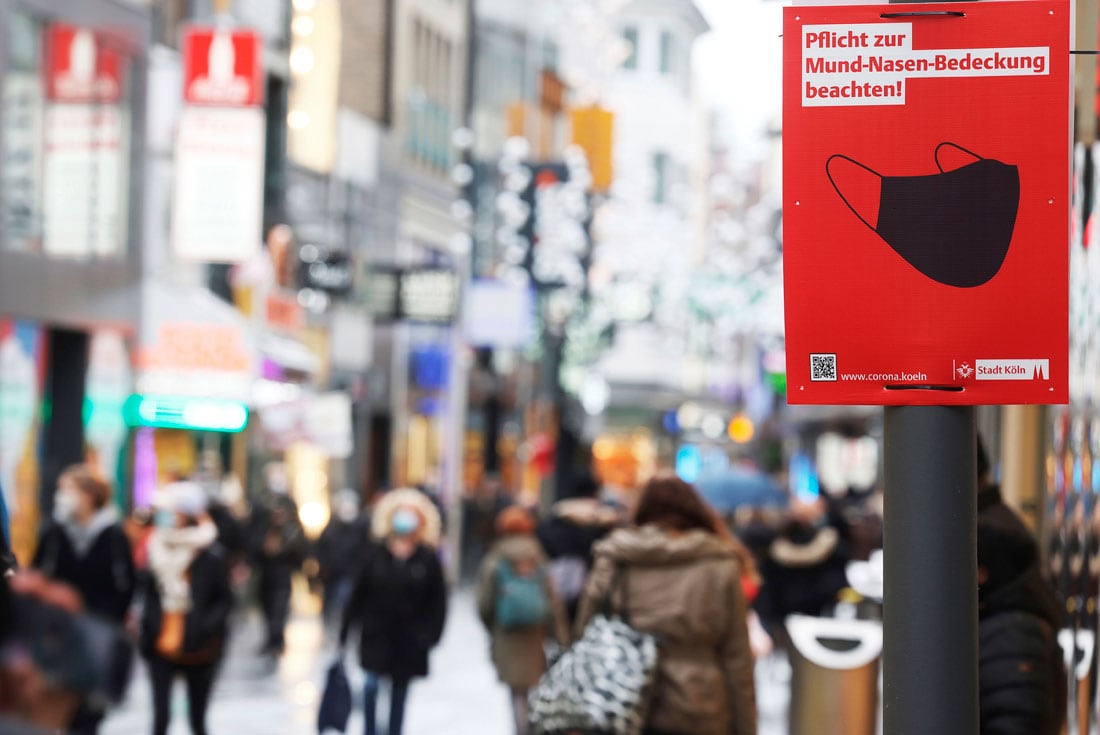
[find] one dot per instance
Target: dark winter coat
(399, 607)
(206, 624)
(341, 547)
(803, 572)
(1021, 673)
(232, 536)
(289, 551)
(104, 576)
(7, 559)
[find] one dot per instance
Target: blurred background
(495, 250)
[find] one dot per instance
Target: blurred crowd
(713, 590)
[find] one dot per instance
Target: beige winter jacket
(519, 655)
(686, 589)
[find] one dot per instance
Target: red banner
(926, 203)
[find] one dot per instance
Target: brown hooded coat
(686, 589)
(518, 655)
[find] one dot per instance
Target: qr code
(823, 367)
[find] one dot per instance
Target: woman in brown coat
(683, 585)
(518, 604)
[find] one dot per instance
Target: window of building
(660, 178)
(550, 55)
(630, 35)
(668, 46)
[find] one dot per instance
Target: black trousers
(275, 601)
(86, 721)
(200, 683)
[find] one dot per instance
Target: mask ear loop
(936, 153)
(837, 188)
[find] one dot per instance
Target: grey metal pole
(930, 608)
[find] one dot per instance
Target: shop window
(668, 47)
(66, 114)
(630, 35)
(660, 178)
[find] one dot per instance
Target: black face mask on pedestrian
(953, 226)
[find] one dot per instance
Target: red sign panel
(926, 203)
(80, 68)
(222, 67)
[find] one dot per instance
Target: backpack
(521, 599)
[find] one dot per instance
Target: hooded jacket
(518, 655)
(685, 589)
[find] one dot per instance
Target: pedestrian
(519, 606)
(683, 584)
(7, 559)
(187, 601)
(398, 602)
(86, 547)
(338, 551)
(1021, 674)
(278, 549)
(804, 568)
(568, 535)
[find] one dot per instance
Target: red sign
(926, 203)
(222, 67)
(80, 68)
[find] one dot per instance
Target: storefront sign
(428, 295)
(197, 359)
(284, 311)
(183, 412)
(222, 67)
(86, 146)
(926, 203)
(499, 314)
(218, 207)
(322, 420)
(81, 69)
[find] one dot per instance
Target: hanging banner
(926, 203)
(218, 201)
(85, 159)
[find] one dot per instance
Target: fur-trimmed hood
(382, 517)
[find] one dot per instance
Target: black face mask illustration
(953, 226)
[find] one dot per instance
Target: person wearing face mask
(278, 546)
(398, 602)
(188, 600)
(338, 551)
(86, 547)
(7, 559)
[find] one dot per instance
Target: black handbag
(335, 706)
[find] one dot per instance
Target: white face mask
(65, 505)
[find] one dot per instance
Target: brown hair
(89, 482)
(515, 520)
(669, 502)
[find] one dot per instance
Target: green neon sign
(182, 412)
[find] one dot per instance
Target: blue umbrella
(737, 487)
